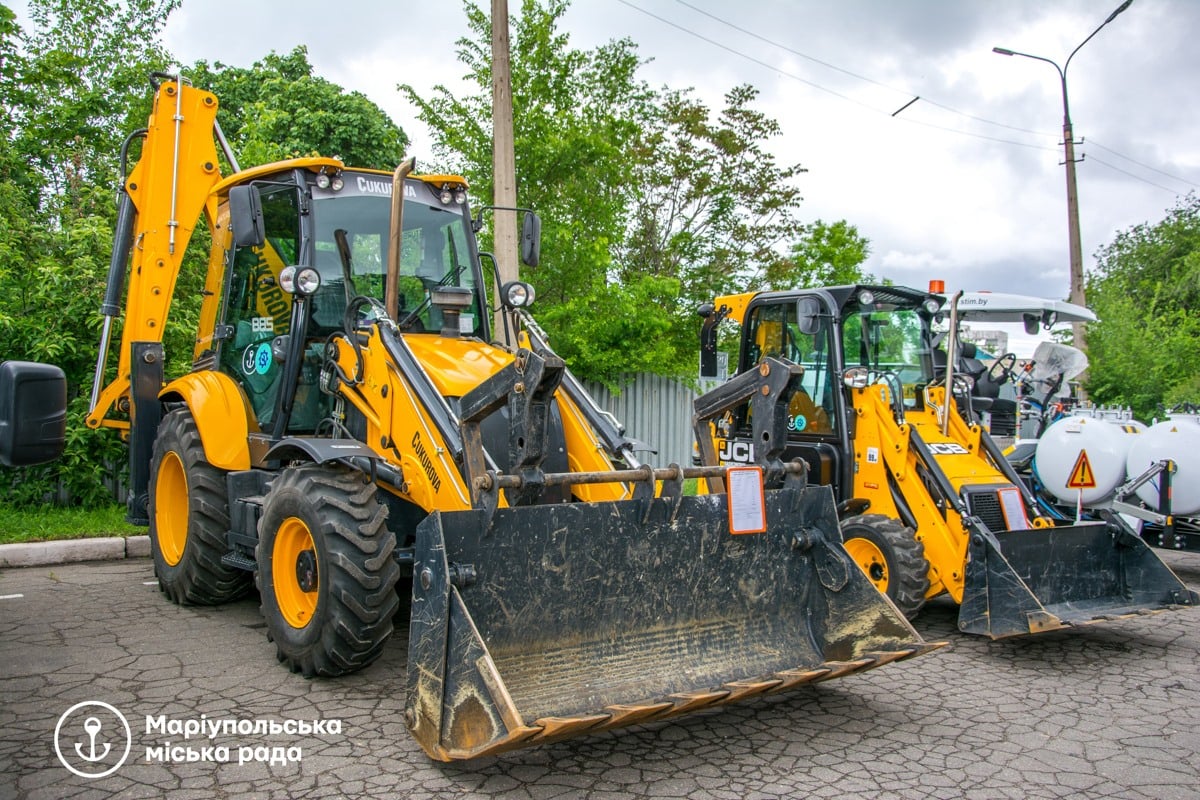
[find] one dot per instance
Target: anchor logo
(92, 727)
(101, 727)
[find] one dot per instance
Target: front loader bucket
(1030, 581)
(555, 620)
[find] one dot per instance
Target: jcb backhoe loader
(928, 503)
(347, 427)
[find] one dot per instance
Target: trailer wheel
(326, 570)
(894, 561)
(189, 518)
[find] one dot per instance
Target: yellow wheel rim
(171, 508)
(294, 551)
(870, 560)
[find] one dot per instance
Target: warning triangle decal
(1082, 476)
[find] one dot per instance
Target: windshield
(435, 251)
(889, 341)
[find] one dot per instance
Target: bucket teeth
(840, 669)
(886, 657)
(740, 690)
(686, 702)
(632, 714)
(563, 727)
(790, 679)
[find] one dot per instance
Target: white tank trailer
(1112, 463)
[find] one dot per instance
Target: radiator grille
(986, 505)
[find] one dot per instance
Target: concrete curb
(66, 551)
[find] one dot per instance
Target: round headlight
(287, 280)
(856, 377)
(866, 297)
(446, 195)
(932, 306)
(337, 183)
(308, 280)
(516, 294)
(322, 180)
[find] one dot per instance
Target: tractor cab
(843, 337)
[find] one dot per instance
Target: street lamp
(1072, 193)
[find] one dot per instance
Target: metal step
(239, 561)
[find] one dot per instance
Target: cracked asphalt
(1106, 711)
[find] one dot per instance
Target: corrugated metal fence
(656, 410)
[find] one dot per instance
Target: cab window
(774, 332)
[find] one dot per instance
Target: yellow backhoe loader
(349, 427)
(928, 503)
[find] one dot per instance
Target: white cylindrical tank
(1084, 454)
(1179, 441)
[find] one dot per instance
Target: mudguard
(222, 414)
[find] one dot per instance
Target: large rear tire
(892, 558)
(189, 518)
(326, 570)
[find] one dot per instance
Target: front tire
(326, 570)
(189, 518)
(892, 558)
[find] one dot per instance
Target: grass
(47, 524)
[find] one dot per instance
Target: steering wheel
(1005, 363)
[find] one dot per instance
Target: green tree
(80, 85)
(278, 109)
(711, 206)
(826, 254)
(71, 87)
(1145, 291)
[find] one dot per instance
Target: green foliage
(622, 339)
(1146, 293)
(825, 255)
(278, 109)
(73, 87)
(710, 204)
(80, 88)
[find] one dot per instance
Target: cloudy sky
(966, 184)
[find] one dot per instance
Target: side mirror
(33, 413)
(531, 239)
(808, 315)
(246, 216)
(1031, 323)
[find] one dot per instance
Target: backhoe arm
(164, 196)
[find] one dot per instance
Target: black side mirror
(1031, 323)
(531, 239)
(246, 216)
(808, 315)
(33, 413)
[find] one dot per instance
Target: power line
(825, 89)
(909, 120)
(852, 74)
(1140, 164)
(729, 49)
(1135, 177)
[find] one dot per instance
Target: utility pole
(1076, 249)
(1078, 329)
(504, 166)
